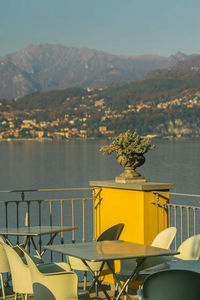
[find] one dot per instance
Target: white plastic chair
(162, 240)
(21, 279)
(4, 268)
(20, 273)
(54, 282)
(190, 248)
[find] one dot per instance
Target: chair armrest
(54, 268)
(35, 258)
(18, 250)
(62, 279)
(57, 273)
(62, 285)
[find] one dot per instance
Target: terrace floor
(10, 294)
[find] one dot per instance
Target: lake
(51, 164)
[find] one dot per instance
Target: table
(35, 231)
(191, 265)
(107, 251)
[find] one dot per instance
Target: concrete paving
(10, 295)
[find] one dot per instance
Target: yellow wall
(131, 207)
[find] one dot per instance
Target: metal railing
(43, 207)
(185, 217)
(54, 207)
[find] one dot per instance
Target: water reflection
(33, 165)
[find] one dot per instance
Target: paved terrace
(132, 293)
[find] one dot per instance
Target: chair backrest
(164, 238)
(190, 248)
(51, 285)
(112, 233)
(20, 273)
(4, 264)
(173, 285)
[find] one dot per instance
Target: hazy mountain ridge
(46, 67)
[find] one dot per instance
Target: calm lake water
(33, 164)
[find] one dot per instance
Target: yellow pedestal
(131, 204)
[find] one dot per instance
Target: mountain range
(44, 67)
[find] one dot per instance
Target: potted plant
(130, 149)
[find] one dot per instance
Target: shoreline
(169, 138)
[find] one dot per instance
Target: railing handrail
(44, 190)
(88, 188)
(48, 200)
(176, 194)
(23, 191)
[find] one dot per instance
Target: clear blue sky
(127, 27)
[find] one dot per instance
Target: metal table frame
(30, 232)
(107, 251)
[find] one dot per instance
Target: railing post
(175, 222)
(22, 196)
(188, 221)
(61, 221)
(29, 218)
(181, 216)
(169, 215)
(73, 234)
(194, 213)
(6, 209)
(163, 215)
(157, 212)
(83, 220)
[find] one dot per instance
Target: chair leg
(116, 289)
(2, 287)
(16, 297)
(126, 290)
(85, 281)
(96, 288)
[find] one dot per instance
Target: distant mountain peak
(54, 66)
(180, 55)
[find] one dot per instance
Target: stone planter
(130, 163)
(130, 149)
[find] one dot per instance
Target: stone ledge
(139, 186)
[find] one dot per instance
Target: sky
(122, 27)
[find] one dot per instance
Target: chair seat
(77, 264)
